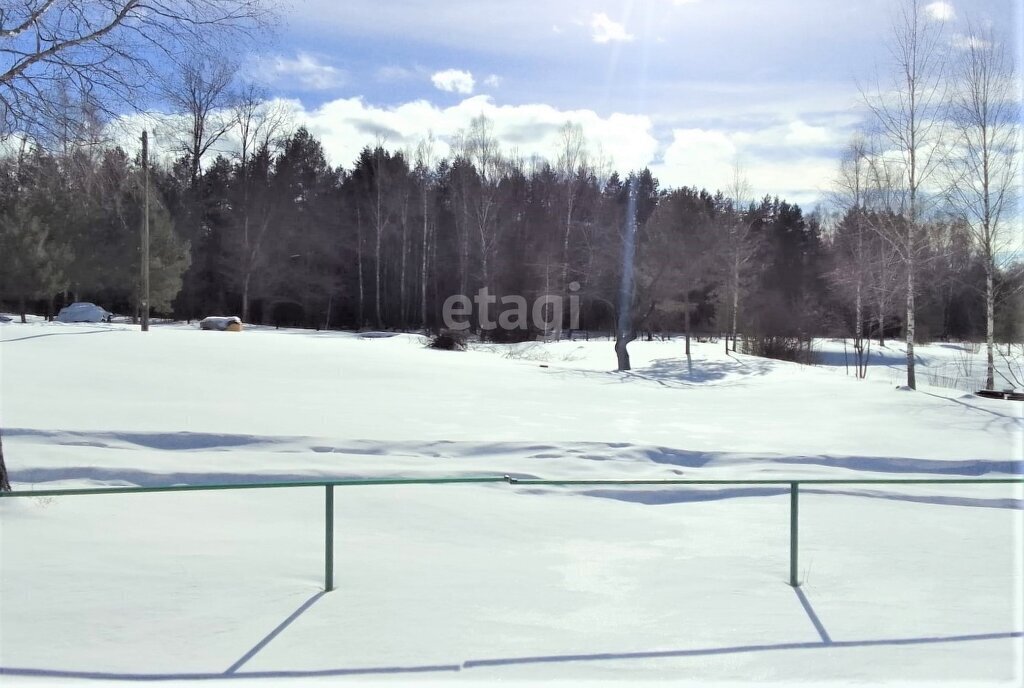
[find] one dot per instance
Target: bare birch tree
(852, 247)
(983, 165)
(740, 249)
(425, 162)
(908, 112)
(572, 165)
(382, 219)
(482, 149)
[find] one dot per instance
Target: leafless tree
(425, 162)
(259, 124)
(384, 198)
(258, 120)
(908, 112)
(105, 51)
(382, 217)
(983, 164)
(852, 248)
(482, 149)
(739, 249)
(202, 106)
(404, 196)
(883, 283)
(573, 161)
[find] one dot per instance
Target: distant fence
(329, 485)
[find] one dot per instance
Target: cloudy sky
(683, 86)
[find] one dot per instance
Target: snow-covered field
(488, 583)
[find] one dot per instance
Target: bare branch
(107, 50)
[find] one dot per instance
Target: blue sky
(685, 86)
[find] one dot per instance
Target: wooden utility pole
(145, 232)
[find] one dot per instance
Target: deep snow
(493, 582)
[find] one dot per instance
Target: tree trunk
(434, 278)
(464, 247)
(686, 324)
(621, 353)
(377, 268)
(245, 245)
(245, 296)
(22, 308)
(423, 265)
(403, 306)
(485, 270)
(359, 267)
(735, 308)
(565, 253)
(911, 373)
(858, 333)
(881, 324)
(990, 326)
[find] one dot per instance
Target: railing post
(329, 540)
(794, 516)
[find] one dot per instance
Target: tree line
(279, 236)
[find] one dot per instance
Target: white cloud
(799, 133)
(684, 2)
(492, 81)
(304, 69)
(940, 11)
(607, 31)
(344, 126)
(454, 81)
(698, 157)
(964, 42)
(793, 160)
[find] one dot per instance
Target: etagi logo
(515, 312)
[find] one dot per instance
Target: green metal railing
(329, 485)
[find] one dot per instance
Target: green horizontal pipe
(359, 482)
(249, 486)
(868, 481)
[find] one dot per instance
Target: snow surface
(487, 583)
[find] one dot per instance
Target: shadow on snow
(525, 660)
(698, 493)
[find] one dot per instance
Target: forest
(278, 236)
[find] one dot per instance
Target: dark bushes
(448, 340)
(792, 349)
